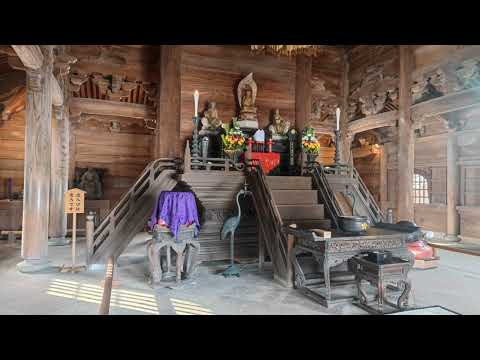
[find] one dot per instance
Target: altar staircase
(340, 187)
(128, 218)
(279, 202)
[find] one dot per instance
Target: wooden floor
(461, 247)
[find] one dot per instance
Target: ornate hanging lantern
(287, 50)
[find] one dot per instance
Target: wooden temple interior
(408, 128)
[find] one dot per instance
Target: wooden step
(299, 212)
(289, 182)
(295, 197)
(310, 223)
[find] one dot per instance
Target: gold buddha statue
(247, 93)
(279, 127)
(210, 120)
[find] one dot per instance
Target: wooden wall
(12, 143)
(123, 154)
(215, 72)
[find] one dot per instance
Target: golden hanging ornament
(287, 50)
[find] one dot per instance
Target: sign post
(74, 204)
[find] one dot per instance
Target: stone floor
(454, 285)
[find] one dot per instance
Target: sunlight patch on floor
(126, 299)
(183, 307)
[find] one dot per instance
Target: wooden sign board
(75, 201)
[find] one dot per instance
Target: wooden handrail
(107, 287)
(271, 224)
(149, 180)
(319, 173)
(328, 197)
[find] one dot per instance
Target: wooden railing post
(187, 158)
(107, 288)
(89, 229)
(248, 156)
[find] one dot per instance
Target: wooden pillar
(453, 177)
(383, 178)
(303, 92)
(405, 152)
(57, 226)
(167, 133)
(346, 137)
(36, 197)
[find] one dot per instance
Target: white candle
(338, 118)
(195, 97)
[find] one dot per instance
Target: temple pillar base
(59, 241)
(452, 238)
(34, 265)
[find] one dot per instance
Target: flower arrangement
(233, 139)
(310, 144)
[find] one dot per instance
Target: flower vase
(311, 158)
(233, 155)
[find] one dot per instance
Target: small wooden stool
(393, 270)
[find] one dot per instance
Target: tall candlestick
(195, 97)
(338, 118)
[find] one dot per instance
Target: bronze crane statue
(228, 228)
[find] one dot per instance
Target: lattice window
(421, 193)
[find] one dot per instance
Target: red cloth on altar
(268, 160)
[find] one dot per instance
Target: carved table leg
(326, 275)
(402, 301)
(299, 275)
(361, 294)
(169, 263)
(153, 251)
(179, 266)
(190, 260)
(381, 294)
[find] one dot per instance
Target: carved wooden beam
(8, 50)
(455, 57)
(80, 106)
(32, 58)
(325, 130)
(15, 63)
(30, 55)
(388, 118)
(445, 104)
(57, 93)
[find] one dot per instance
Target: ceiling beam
(385, 119)
(80, 106)
(446, 104)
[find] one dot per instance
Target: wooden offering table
(175, 225)
(334, 251)
(185, 247)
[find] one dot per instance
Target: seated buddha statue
(91, 184)
(279, 128)
(210, 120)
